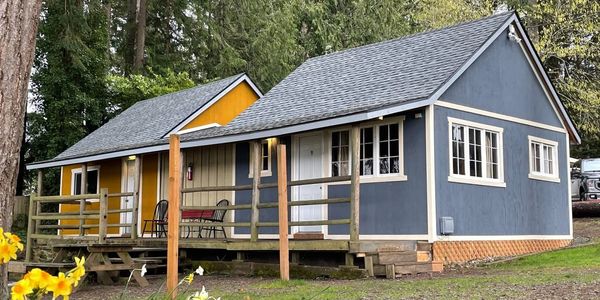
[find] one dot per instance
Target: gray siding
(524, 207)
(501, 80)
(387, 208)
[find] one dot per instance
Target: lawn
(570, 273)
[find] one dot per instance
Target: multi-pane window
(340, 149)
(92, 180)
(542, 156)
(366, 151)
(380, 151)
(475, 151)
(265, 159)
(389, 149)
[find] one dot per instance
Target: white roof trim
(216, 98)
(240, 137)
(211, 125)
(540, 69)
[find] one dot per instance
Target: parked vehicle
(585, 179)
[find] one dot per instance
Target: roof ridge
(236, 76)
(508, 13)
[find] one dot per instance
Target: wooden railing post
(30, 226)
(355, 183)
(103, 215)
(256, 168)
(136, 197)
(82, 202)
(173, 214)
(284, 254)
(39, 192)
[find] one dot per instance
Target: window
(543, 159)
(380, 151)
(475, 153)
(265, 156)
(340, 149)
(92, 179)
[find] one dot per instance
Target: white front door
(309, 164)
(127, 202)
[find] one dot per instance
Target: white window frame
(263, 173)
(78, 171)
(554, 177)
(458, 178)
(375, 177)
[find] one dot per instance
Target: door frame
(295, 143)
(124, 175)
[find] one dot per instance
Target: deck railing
(88, 219)
(262, 205)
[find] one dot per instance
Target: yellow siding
(149, 187)
(226, 108)
(110, 177)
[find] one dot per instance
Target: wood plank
(103, 215)
(256, 168)
(369, 265)
(38, 207)
(386, 258)
(65, 198)
(136, 275)
(174, 214)
(58, 216)
(355, 184)
(282, 192)
(136, 196)
(84, 190)
(30, 227)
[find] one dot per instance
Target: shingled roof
(361, 79)
(402, 72)
(147, 121)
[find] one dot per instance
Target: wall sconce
(190, 172)
(131, 157)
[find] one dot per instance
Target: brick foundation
(464, 251)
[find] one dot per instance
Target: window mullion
(484, 169)
(467, 141)
(376, 150)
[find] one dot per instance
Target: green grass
(579, 257)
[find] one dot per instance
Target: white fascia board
(214, 100)
(440, 91)
(241, 137)
(306, 126)
(96, 157)
(550, 86)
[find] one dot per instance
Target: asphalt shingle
(146, 122)
(346, 82)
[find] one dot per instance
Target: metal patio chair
(159, 222)
(217, 217)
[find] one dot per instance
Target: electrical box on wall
(447, 225)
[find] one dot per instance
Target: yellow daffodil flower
(79, 270)
(189, 279)
(21, 289)
(60, 286)
(8, 251)
(38, 278)
(14, 239)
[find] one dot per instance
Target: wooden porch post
(103, 214)
(355, 183)
(284, 253)
(39, 192)
(173, 214)
(136, 197)
(31, 224)
(82, 202)
(256, 167)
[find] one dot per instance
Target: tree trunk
(18, 22)
(140, 36)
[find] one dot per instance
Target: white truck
(585, 179)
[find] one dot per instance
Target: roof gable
(502, 80)
(148, 120)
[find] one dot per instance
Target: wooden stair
(393, 262)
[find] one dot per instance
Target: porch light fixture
(131, 157)
(380, 118)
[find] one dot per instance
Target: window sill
(374, 179)
(476, 181)
(262, 174)
(544, 178)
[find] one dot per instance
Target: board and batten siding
(502, 81)
(211, 166)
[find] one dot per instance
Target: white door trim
(295, 176)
